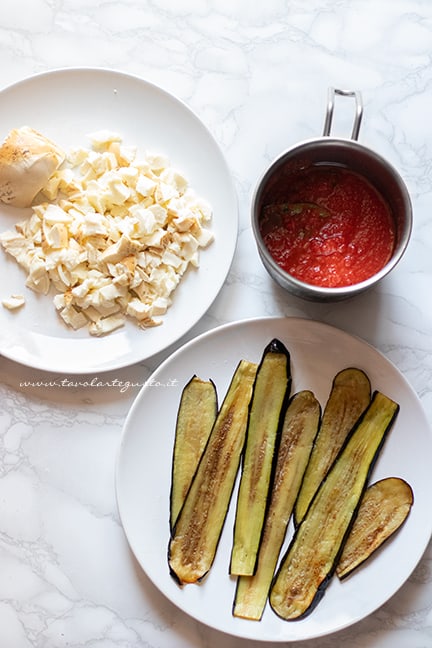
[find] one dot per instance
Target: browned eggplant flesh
(384, 508)
(195, 419)
(199, 524)
(313, 554)
(349, 396)
(296, 467)
(271, 387)
(299, 428)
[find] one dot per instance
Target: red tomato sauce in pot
(328, 226)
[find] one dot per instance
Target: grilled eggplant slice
(349, 396)
(272, 382)
(195, 418)
(384, 508)
(196, 533)
(300, 426)
(314, 551)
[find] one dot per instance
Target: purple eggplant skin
(384, 509)
(267, 407)
(198, 527)
(196, 414)
(300, 425)
(349, 397)
(319, 539)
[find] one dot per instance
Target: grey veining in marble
(256, 73)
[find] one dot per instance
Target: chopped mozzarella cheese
(13, 302)
(114, 237)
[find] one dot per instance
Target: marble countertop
(256, 74)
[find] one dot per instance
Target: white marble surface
(256, 73)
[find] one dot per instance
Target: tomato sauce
(328, 226)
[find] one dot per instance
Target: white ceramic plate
(66, 105)
(143, 472)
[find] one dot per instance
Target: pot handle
(330, 107)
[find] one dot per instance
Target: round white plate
(143, 472)
(66, 105)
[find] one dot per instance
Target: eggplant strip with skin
(195, 418)
(271, 387)
(313, 554)
(298, 432)
(197, 531)
(349, 396)
(384, 508)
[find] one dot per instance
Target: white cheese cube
(73, 317)
(145, 185)
(106, 325)
(13, 302)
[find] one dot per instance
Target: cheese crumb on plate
(13, 302)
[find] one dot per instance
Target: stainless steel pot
(350, 154)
